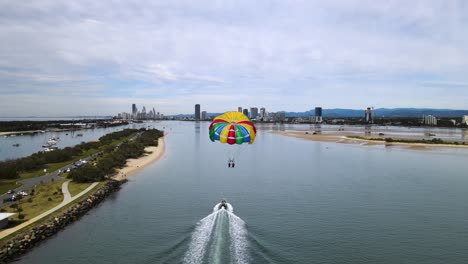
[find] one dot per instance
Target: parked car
(11, 191)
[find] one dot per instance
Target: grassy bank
(75, 188)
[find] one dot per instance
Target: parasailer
(233, 128)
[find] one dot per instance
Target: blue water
(293, 201)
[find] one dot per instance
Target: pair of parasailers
(231, 163)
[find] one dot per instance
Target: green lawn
(8, 184)
(75, 188)
(38, 203)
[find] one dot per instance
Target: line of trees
(7, 126)
(10, 169)
(116, 157)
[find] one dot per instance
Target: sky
(62, 58)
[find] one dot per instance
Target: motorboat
(16, 145)
(222, 205)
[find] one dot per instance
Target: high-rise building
(197, 112)
(369, 115)
(253, 112)
(262, 112)
(245, 112)
(465, 120)
(134, 110)
(203, 115)
(143, 113)
(239, 109)
(318, 115)
(430, 120)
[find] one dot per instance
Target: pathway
(66, 200)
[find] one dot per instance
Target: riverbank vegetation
(40, 163)
(113, 158)
(411, 141)
(18, 126)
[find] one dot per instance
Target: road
(66, 200)
(28, 184)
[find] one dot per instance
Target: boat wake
(220, 237)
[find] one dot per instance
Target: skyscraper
(134, 110)
(318, 114)
(245, 112)
(253, 112)
(239, 109)
(262, 112)
(369, 115)
(203, 115)
(197, 112)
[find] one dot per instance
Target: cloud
(279, 54)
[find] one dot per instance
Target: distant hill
(388, 112)
(379, 112)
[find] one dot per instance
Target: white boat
(51, 141)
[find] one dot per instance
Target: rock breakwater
(24, 242)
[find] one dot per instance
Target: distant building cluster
(200, 115)
(255, 114)
(140, 115)
(429, 120)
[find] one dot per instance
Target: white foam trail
(218, 236)
(203, 234)
(239, 242)
(200, 238)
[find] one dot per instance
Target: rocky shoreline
(24, 242)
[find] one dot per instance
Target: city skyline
(283, 56)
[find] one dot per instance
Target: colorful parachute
(232, 128)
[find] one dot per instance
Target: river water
(31, 143)
(293, 201)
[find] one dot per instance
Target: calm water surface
(294, 201)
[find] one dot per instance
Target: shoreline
(134, 165)
(345, 139)
(21, 132)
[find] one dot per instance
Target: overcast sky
(99, 57)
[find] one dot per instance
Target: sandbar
(153, 154)
(344, 139)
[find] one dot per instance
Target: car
(11, 191)
(68, 170)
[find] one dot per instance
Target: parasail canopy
(232, 128)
